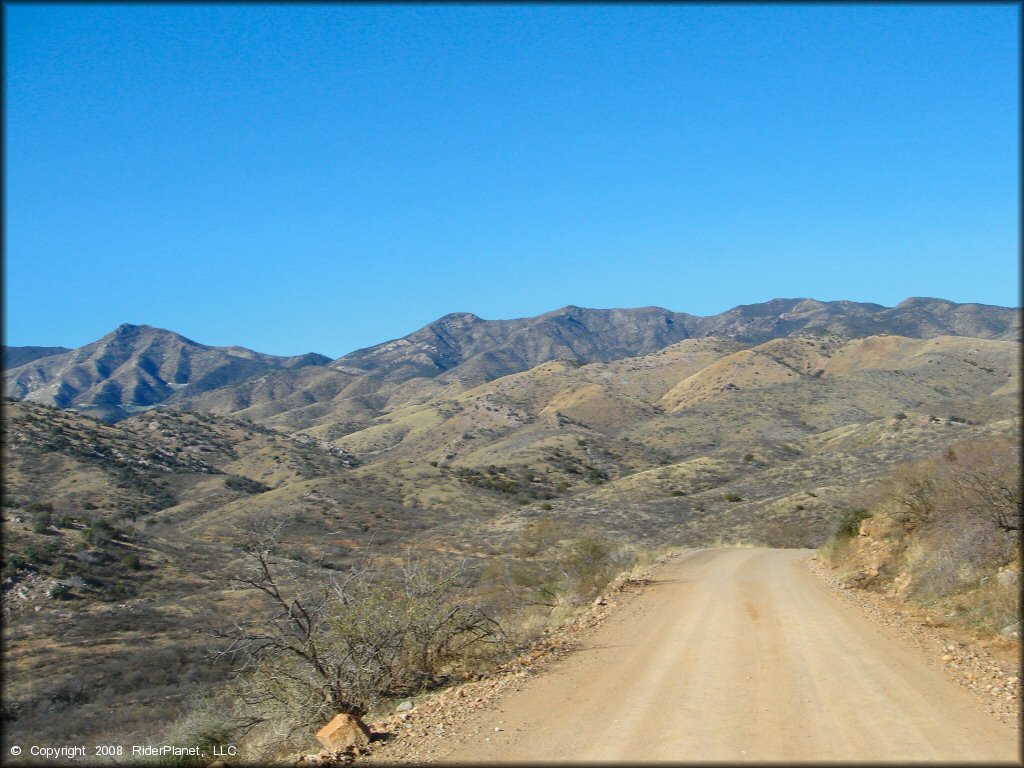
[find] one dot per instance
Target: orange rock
(344, 731)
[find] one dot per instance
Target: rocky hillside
(479, 350)
(134, 367)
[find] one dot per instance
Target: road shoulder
(987, 668)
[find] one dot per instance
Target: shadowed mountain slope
(136, 366)
(486, 349)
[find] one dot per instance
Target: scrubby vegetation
(943, 532)
(357, 641)
(245, 485)
(521, 482)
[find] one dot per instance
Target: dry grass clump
(207, 724)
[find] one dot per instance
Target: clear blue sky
(327, 177)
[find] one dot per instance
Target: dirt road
(737, 654)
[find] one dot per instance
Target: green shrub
(849, 522)
(58, 592)
(592, 561)
(732, 497)
(245, 485)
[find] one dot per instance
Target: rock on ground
(342, 732)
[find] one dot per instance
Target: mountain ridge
(138, 366)
(465, 346)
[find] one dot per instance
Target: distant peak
(136, 327)
(916, 301)
(128, 329)
(459, 318)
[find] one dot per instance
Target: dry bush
(991, 607)
(537, 537)
(591, 562)
(547, 572)
(971, 503)
(951, 522)
(343, 645)
(547, 580)
(975, 480)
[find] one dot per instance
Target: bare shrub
(984, 475)
(951, 522)
(975, 479)
(591, 562)
(341, 645)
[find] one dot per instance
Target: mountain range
(138, 367)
